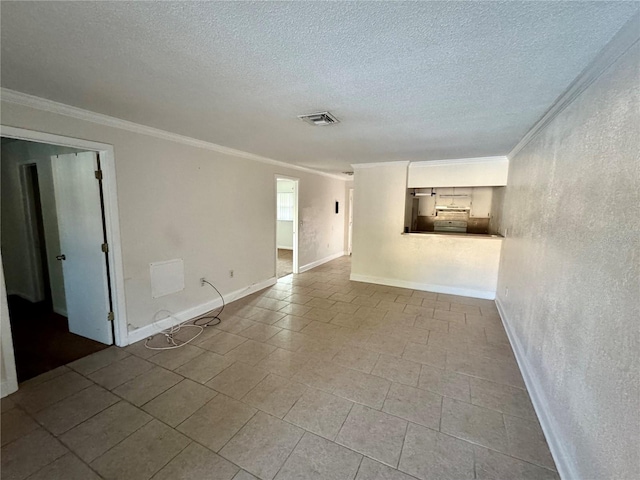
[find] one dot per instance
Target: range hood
(452, 208)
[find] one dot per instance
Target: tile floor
(316, 377)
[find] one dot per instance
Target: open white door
(77, 193)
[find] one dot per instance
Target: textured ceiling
(409, 81)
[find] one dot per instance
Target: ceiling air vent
(321, 118)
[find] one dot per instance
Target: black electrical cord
(208, 316)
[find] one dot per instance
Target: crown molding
(460, 161)
(622, 41)
(43, 104)
(360, 166)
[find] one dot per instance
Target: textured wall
(571, 262)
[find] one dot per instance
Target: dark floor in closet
(41, 339)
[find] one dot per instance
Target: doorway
(350, 239)
(286, 226)
(58, 291)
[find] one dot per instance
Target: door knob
(61, 257)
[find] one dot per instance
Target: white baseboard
(193, 312)
(60, 311)
(564, 464)
(428, 287)
(279, 247)
(317, 263)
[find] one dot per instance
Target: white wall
(284, 228)
(465, 172)
(448, 264)
(571, 262)
(19, 267)
(215, 211)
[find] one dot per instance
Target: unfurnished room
(310, 240)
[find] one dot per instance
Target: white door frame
(296, 226)
(107, 164)
(350, 223)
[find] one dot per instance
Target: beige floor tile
(456, 317)
(45, 377)
(342, 306)
(16, 424)
(409, 300)
(356, 358)
(300, 299)
(243, 475)
(390, 306)
(362, 388)
(499, 371)
(66, 414)
(289, 340)
(492, 465)
(504, 398)
(321, 375)
(139, 350)
(425, 354)
(284, 362)
(215, 423)
(320, 303)
(372, 470)
(98, 360)
(293, 321)
(432, 324)
(236, 380)
(316, 458)
(35, 397)
(320, 412)
(424, 295)
(147, 386)
(397, 370)
(67, 467)
(250, 352)
(94, 437)
(197, 463)
(396, 319)
(320, 315)
(347, 320)
(222, 343)
(141, 454)
(230, 324)
(430, 455)
(423, 311)
(204, 367)
(365, 301)
(262, 445)
(449, 341)
(175, 357)
(263, 315)
(374, 434)
(120, 372)
(6, 404)
(271, 303)
(29, 454)
(275, 395)
(475, 424)
(461, 308)
(321, 349)
(414, 405)
(527, 441)
(445, 383)
(179, 402)
(319, 330)
(260, 332)
(383, 343)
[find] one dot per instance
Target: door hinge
(110, 316)
(105, 247)
(99, 174)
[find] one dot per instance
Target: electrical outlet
(202, 280)
(230, 273)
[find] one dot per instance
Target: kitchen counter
(453, 234)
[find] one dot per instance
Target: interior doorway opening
(51, 200)
(286, 226)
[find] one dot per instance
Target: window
(285, 206)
